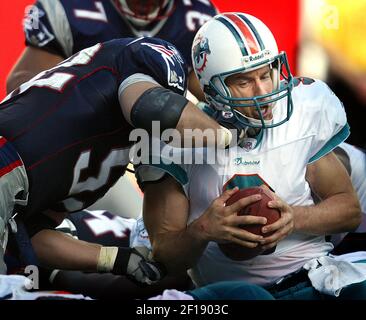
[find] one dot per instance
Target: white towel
(172, 294)
(14, 287)
(330, 276)
(351, 257)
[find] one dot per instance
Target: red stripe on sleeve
(10, 167)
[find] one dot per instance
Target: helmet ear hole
(220, 87)
(275, 75)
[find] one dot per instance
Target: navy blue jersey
(67, 124)
(67, 26)
(100, 227)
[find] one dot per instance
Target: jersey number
(115, 158)
(98, 14)
(195, 19)
(57, 80)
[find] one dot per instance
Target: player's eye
(242, 83)
(266, 76)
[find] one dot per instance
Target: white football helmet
(142, 12)
(236, 42)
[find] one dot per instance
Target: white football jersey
(317, 125)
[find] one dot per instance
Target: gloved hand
(134, 263)
(143, 269)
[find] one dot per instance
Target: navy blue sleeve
(158, 59)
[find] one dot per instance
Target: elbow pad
(158, 104)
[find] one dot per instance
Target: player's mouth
(266, 112)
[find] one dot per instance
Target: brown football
(259, 208)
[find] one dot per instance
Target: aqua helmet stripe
(246, 32)
(254, 30)
(236, 34)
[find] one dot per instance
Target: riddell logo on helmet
(256, 57)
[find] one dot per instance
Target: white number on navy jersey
(102, 224)
(99, 14)
(189, 2)
(58, 80)
(195, 19)
(116, 157)
(84, 57)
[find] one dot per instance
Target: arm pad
(158, 104)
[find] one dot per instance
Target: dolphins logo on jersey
(174, 63)
(200, 51)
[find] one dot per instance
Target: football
(259, 208)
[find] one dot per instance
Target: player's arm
(194, 86)
(31, 62)
(339, 209)
(144, 102)
(178, 246)
(57, 250)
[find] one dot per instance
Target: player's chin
(266, 113)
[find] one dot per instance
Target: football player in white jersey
(292, 125)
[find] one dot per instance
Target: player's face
(250, 84)
(143, 7)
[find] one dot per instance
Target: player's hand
(142, 269)
(135, 263)
(282, 227)
(221, 223)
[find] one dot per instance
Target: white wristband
(107, 257)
